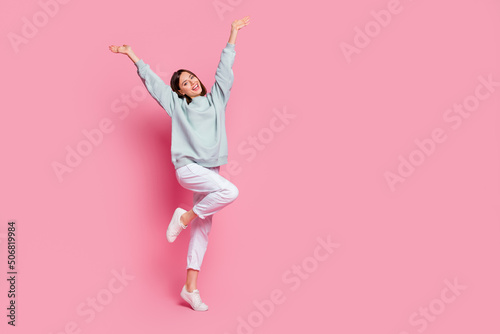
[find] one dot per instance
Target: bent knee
(231, 192)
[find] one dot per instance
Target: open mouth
(196, 87)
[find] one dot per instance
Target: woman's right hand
(125, 49)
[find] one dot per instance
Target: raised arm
(224, 75)
(160, 91)
(237, 25)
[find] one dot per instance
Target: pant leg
(200, 229)
(212, 192)
(219, 191)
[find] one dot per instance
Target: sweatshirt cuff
(139, 63)
(230, 46)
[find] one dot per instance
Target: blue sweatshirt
(198, 128)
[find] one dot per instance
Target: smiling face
(189, 85)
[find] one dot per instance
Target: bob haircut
(174, 84)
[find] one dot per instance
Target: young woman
(199, 148)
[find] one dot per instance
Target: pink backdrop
(363, 137)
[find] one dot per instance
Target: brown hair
(174, 84)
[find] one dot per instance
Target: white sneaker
(175, 227)
(193, 299)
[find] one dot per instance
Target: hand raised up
(238, 24)
(125, 49)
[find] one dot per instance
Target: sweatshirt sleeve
(224, 75)
(158, 89)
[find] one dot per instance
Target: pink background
(321, 175)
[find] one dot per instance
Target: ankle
(184, 220)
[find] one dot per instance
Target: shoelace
(197, 298)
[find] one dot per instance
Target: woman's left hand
(238, 24)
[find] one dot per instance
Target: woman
(199, 148)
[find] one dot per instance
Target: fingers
(238, 24)
(114, 48)
(245, 21)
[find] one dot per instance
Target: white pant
(212, 192)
